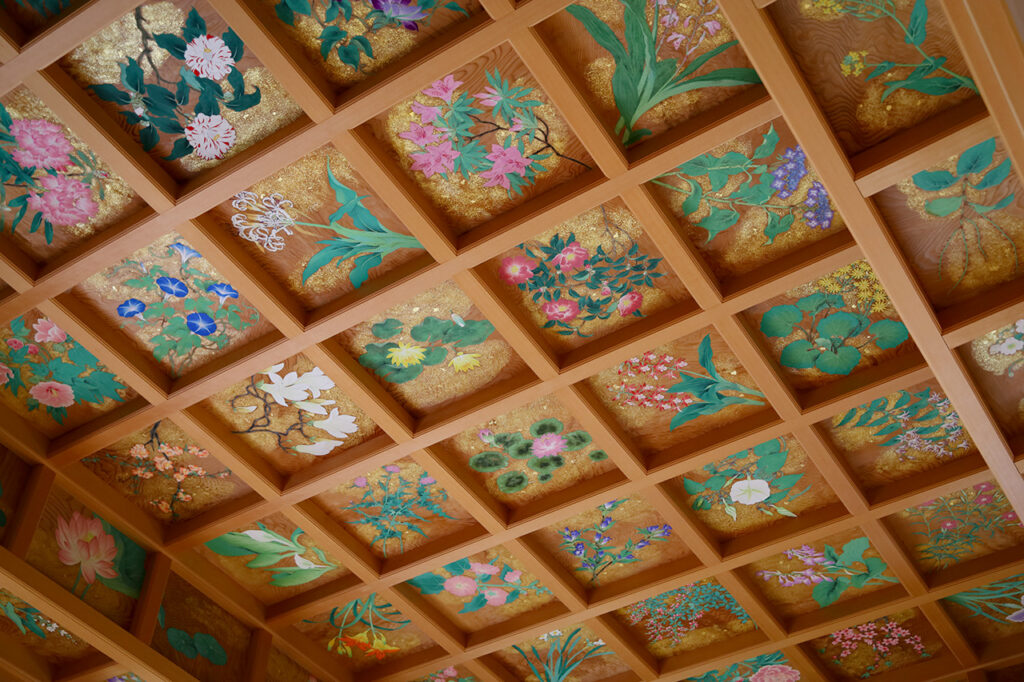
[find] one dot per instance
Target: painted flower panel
(348, 41)
(433, 349)
(14, 473)
(617, 539)
(774, 667)
(686, 618)
(396, 508)
(588, 277)
(88, 556)
(273, 559)
(319, 229)
(56, 192)
(25, 624)
(173, 304)
(165, 474)
(958, 527)
(990, 612)
(183, 82)
(835, 326)
(673, 394)
(813, 576)
(50, 380)
(482, 140)
(896, 436)
(292, 415)
(878, 646)
(573, 654)
(529, 453)
(692, 58)
(755, 488)
(878, 67)
(996, 363)
(749, 201)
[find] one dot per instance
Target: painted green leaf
(768, 144)
(768, 465)
(182, 642)
(457, 567)
(692, 487)
(718, 220)
(512, 481)
(917, 26)
(692, 202)
(977, 158)
(576, 440)
(826, 593)
(431, 329)
(488, 461)
(853, 551)
(475, 604)
(777, 225)
(889, 333)
(399, 375)
(799, 354)
(842, 325)
(995, 176)
(1002, 203)
(210, 649)
(786, 482)
(768, 447)
(842, 361)
(780, 320)
(428, 583)
(933, 181)
(544, 426)
(470, 333)
(435, 355)
(715, 482)
(386, 329)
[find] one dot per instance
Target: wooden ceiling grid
(332, 119)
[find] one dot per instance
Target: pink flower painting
(210, 136)
(444, 88)
(460, 586)
(64, 200)
(563, 310)
(421, 135)
(5, 374)
(41, 144)
(48, 332)
(549, 445)
(53, 394)
(83, 542)
(517, 269)
(209, 57)
(776, 673)
(435, 160)
(572, 257)
(629, 303)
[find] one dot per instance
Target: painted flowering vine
(394, 506)
(373, 617)
(956, 526)
(672, 615)
(180, 310)
(1009, 345)
(454, 131)
(270, 400)
(265, 220)
(765, 184)
(101, 553)
(750, 478)
(880, 638)
(593, 549)
(832, 572)
(564, 654)
(164, 106)
(370, 16)
(271, 549)
(480, 584)
(156, 458)
(929, 76)
(832, 326)
(58, 184)
(54, 369)
(573, 286)
(545, 452)
(433, 339)
(1001, 601)
(642, 78)
(764, 668)
(28, 619)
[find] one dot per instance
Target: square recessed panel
(50, 380)
(365, 633)
(319, 229)
(694, 43)
(685, 619)
(996, 362)
(960, 222)
(776, 663)
(34, 16)
(837, 325)
(755, 488)
(654, 395)
(165, 473)
(589, 277)
(990, 612)
(433, 349)
(576, 643)
(173, 304)
(61, 193)
(88, 556)
(871, 69)
(815, 575)
(395, 509)
(281, 668)
(878, 646)
(899, 435)
(273, 559)
(183, 82)
(32, 629)
(482, 590)
(292, 415)
(749, 201)
(529, 453)
(14, 473)
(482, 140)
(613, 541)
(349, 43)
(958, 527)
(197, 635)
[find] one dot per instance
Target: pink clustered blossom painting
(881, 639)
(636, 385)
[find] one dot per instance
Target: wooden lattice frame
(851, 183)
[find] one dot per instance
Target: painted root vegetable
(1001, 601)
(544, 453)
(749, 478)
(673, 614)
(270, 549)
(764, 668)
(480, 584)
(880, 637)
(102, 554)
(266, 221)
(373, 618)
(764, 185)
(362, 18)
(642, 80)
(399, 362)
(970, 196)
(563, 654)
(199, 644)
(207, 60)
